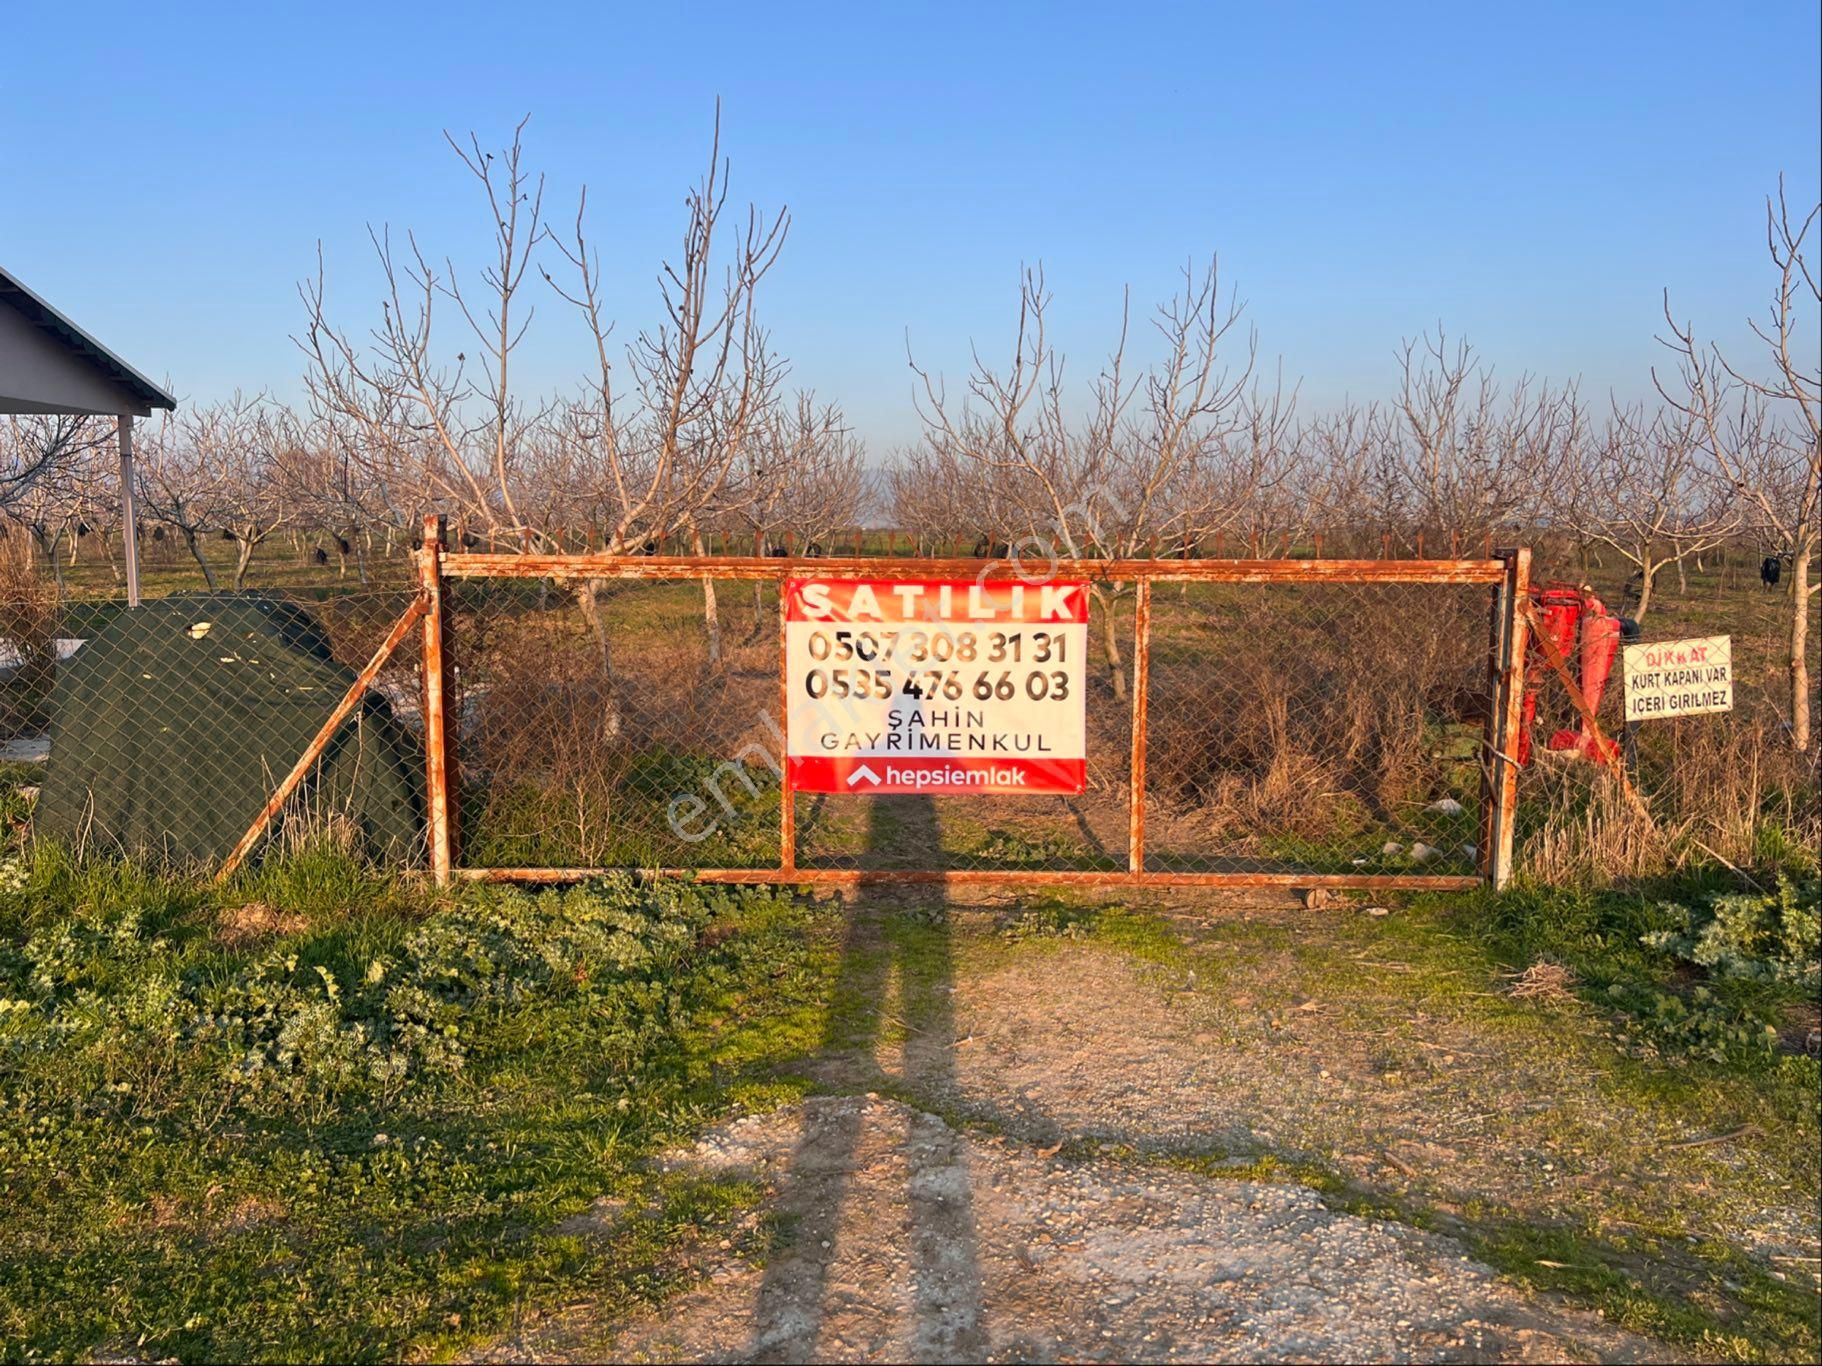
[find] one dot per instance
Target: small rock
(1375, 910)
(1423, 853)
(1446, 806)
(1391, 847)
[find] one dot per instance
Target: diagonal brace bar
(1554, 658)
(314, 750)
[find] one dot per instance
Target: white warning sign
(1679, 678)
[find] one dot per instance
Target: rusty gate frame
(1506, 574)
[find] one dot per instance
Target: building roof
(131, 391)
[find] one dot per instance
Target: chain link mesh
(1293, 729)
(162, 731)
(599, 723)
(1726, 780)
(1322, 729)
(1334, 728)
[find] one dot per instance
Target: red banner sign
(935, 685)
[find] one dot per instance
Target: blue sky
(1532, 177)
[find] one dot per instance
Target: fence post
(1141, 692)
(129, 510)
(436, 750)
(787, 805)
(1505, 718)
(1492, 740)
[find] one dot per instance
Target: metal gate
(1297, 723)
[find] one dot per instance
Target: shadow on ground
(796, 1294)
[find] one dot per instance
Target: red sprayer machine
(1580, 626)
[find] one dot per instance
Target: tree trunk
(107, 549)
(208, 576)
(1647, 572)
(1110, 643)
(758, 613)
(242, 558)
(590, 607)
(1799, 647)
(711, 612)
(47, 546)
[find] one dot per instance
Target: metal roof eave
(40, 313)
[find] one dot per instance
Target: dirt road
(913, 1242)
(1065, 1134)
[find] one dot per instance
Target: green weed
(303, 1118)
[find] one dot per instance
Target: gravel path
(1038, 1232)
(913, 1242)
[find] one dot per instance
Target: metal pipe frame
(749, 567)
(438, 566)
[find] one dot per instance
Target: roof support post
(129, 509)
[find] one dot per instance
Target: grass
(204, 1167)
(360, 1131)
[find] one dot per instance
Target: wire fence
(500, 714)
(579, 711)
(1302, 723)
(164, 731)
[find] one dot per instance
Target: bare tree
(34, 447)
(47, 511)
(93, 481)
(409, 405)
(179, 484)
(1646, 489)
(44, 460)
(1472, 454)
(1764, 430)
(801, 475)
(1163, 456)
(643, 464)
(1353, 474)
(704, 380)
(247, 449)
(940, 496)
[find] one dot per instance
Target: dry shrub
(28, 628)
(1288, 712)
(237, 926)
(552, 722)
(1597, 837)
(1542, 981)
(1711, 789)
(1244, 766)
(603, 744)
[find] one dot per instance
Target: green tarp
(177, 720)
